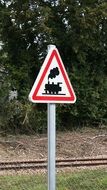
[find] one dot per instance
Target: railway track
(60, 163)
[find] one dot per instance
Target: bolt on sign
(52, 84)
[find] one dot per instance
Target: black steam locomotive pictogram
(52, 88)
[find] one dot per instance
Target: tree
(78, 28)
(24, 34)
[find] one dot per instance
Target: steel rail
(58, 160)
(60, 163)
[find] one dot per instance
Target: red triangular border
(52, 98)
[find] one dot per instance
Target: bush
(20, 117)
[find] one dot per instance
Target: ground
(80, 143)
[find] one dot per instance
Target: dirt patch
(84, 143)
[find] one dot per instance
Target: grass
(83, 180)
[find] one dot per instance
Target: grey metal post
(51, 142)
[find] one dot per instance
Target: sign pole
(51, 142)
(58, 91)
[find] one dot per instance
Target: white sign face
(52, 84)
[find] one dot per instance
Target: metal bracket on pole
(51, 142)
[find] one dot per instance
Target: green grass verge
(84, 180)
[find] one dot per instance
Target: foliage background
(79, 30)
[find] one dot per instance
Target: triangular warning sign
(52, 84)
